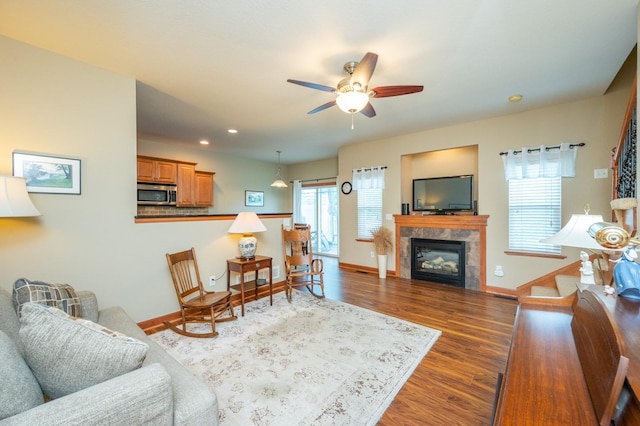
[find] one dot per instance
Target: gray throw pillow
(61, 296)
(19, 390)
(68, 354)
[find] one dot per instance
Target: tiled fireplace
(464, 228)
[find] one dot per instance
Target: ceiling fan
(352, 93)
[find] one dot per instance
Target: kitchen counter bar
(194, 218)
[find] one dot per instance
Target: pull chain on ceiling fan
(352, 93)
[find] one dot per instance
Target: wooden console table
(243, 266)
(571, 364)
(626, 314)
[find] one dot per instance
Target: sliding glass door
(320, 210)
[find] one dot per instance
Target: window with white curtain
(535, 177)
(369, 211)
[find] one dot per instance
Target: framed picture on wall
(254, 198)
(47, 173)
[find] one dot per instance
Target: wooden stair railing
(623, 159)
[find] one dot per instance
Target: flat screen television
(443, 194)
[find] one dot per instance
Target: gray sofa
(161, 392)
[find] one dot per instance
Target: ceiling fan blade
(368, 111)
(386, 91)
(322, 107)
(312, 85)
(365, 68)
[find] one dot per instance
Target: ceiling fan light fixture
(352, 93)
(352, 102)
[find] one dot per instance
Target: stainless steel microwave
(150, 194)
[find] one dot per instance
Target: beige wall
(595, 121)
(55, 105)
(326, 168)
(446, 162)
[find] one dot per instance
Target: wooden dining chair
(300, 266)
(196, 304)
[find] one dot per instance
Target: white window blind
(535, 206)
(369, 211)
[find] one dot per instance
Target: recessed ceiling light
(234, 131)
(515, 98)
(204, 142)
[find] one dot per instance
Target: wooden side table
(243, 266)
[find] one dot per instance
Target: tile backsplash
(172, 211)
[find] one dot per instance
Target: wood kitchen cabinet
(193, 188)
(203, 189)
(186, 185)
(156, 170)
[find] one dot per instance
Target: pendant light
(279, 183)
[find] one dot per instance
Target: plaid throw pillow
(61, 296)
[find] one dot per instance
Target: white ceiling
(204, 66)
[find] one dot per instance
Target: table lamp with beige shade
(246, 223)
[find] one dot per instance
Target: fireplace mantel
(413, 224)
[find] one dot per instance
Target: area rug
(308, 362)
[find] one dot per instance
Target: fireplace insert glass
(439, 261)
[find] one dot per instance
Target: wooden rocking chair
(196, 304)
(300, 266)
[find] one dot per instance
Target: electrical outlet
(212, 280)
(373, 254)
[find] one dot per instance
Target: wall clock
(346, 188)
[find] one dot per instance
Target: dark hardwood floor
(455, 383)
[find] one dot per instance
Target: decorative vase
(382, 266)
